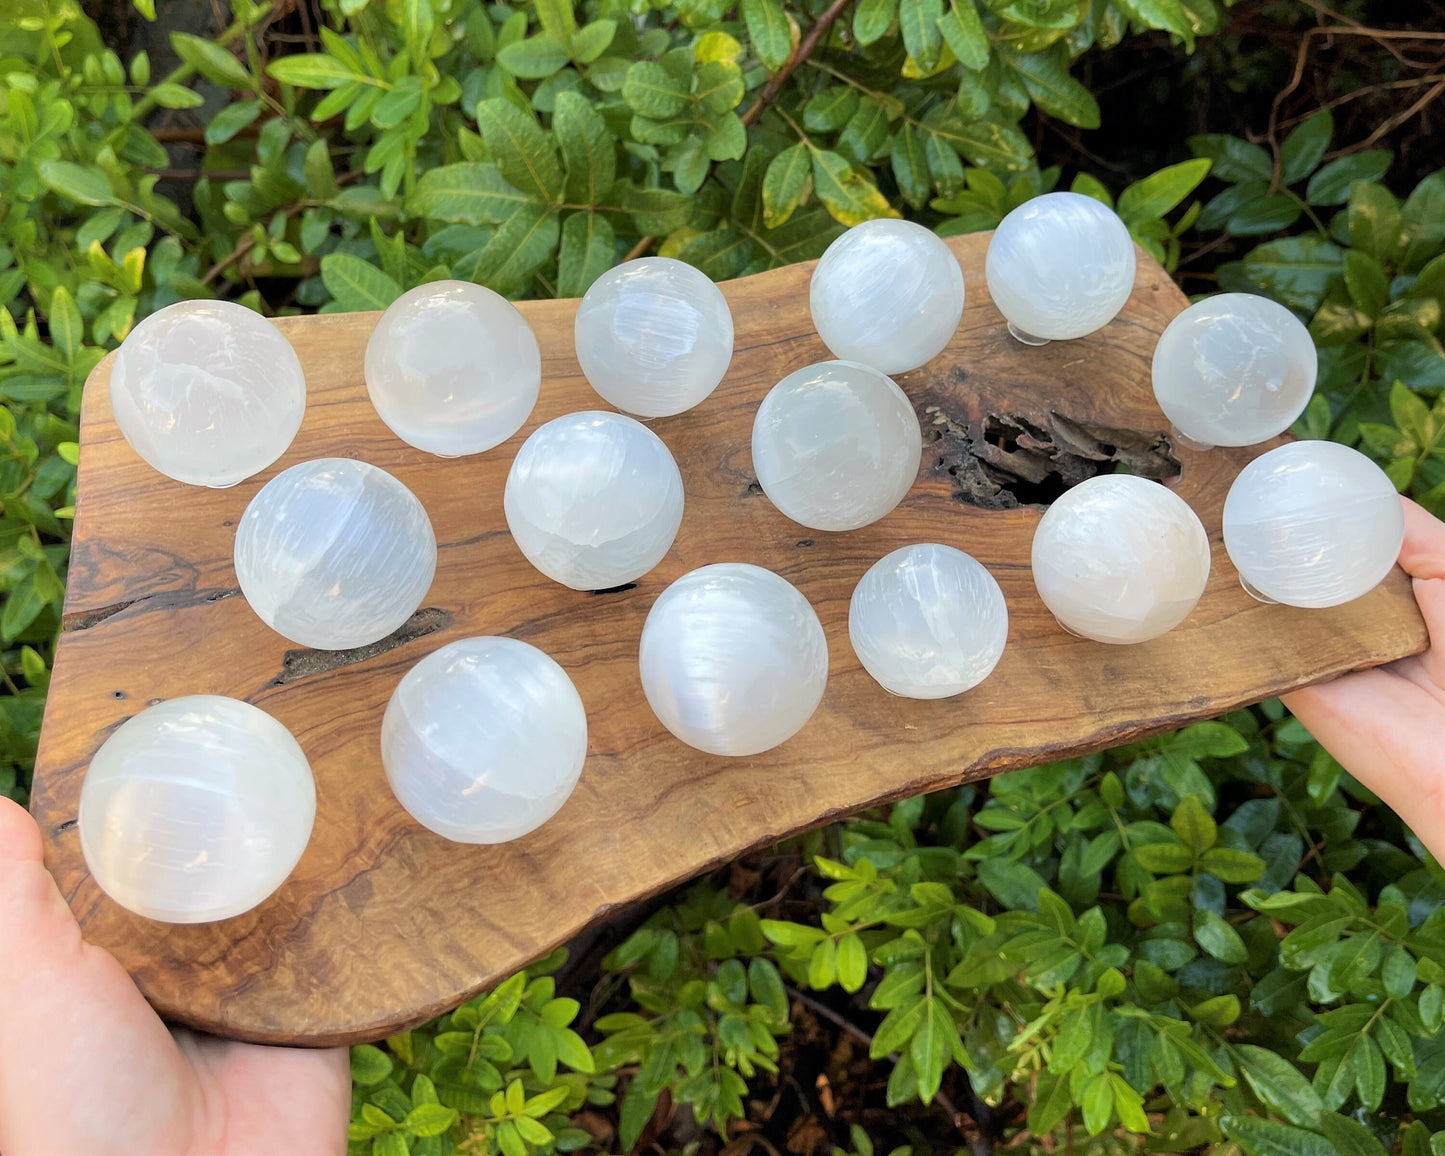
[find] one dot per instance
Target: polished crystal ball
(334, 553)
(207, 392)
(928, 621)
(453, 368)
(1234, 370)
(196, 809)
(836, 445)
(654, 336)
(1059, 266)
(593, 500)
(887, 293)
(733, 659)
(1312, 524)
(484, 740)
(1120, 559)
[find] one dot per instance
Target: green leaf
(1015, 885)
(872, 19)
(918, 22)
(910, 166)
(1049, 1105)
(770, 32)
(1305, 146)
(1232, 866)
(1046, 76)
(86, 186)
(1259, 1137)
(651, 90)
(389, 1144)
(852, 963)
(1297, 271)
(1218, 938)
(988, 144)
(786, 184)
(963, 32)
(67, 327)
(588, 149)
(1349, 1137)
(1194, 825)
(212, 61)
(231, 120)
(467, 193)
(313, 70)
(830, 109)
(1166, 15)
(430, 1120)
(865, 133)
(523, 152)
(1368, 285)
(655, 210)
(171, 95)
(536, 57)
(823, 965)
(1423, 219)
(593, 39)
(557, 17)
(849, 196)
(519, 247)
(1161, 192)
(369, 1065)
(357, 285)
(1097, 1103)
(589, 249)
(1279, 1084)
(1331, 184)
(1374, 222)
(1234, 159)
(1164, 858)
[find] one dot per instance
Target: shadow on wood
(384, 924)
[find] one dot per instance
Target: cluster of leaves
(1368, 275)
(1182, 943)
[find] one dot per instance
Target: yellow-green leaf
(770, 31)
(588, 250)
(849, 196)
(786, 185)
(523, 152)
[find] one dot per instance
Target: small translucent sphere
(928, 621)
(1120, 559)
(654, 336)
(484, 740)
(334, 554)
(207, 392)
(733, 659)
(1060, 266)
(1313, 524)
(593, 500)
(453, 368)
(888, 294)
(196, 809)
(836, 445)
(1234, 370)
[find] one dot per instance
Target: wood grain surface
(384, 924)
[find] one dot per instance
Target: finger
(81, 1023)
(1422, 554)
(1378, 726)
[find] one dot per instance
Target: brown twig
(1400, 118)
(640, 248)
(247, 243)
(799, 54)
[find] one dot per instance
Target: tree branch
(800, 54)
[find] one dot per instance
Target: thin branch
(1400, 118)
(640, 248)
(800, 54)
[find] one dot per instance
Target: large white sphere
(733, 659)
(453, 368)
(654, 336)
(1060, 266)
(1120, 559)
(207, 392)
(484, 740)
(928, 621)
(1234, 370)
(334, 553)
(836, 445)
(1313, 524)
(196, 809)
(887, 293)
(593, 500)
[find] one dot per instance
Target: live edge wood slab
(384, 924)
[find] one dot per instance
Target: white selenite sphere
(887, 293)
(654, 336)
(1234, 370)
(1312, 524)
(1120, 559)
(334, 553)
(593, 500)
(196, 809)
(733, 659)
(484, 740)
(207, 392)
(836, 445)
(453, 368)
(928, 621)
(1059, 266)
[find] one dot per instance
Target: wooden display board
(384, 924)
